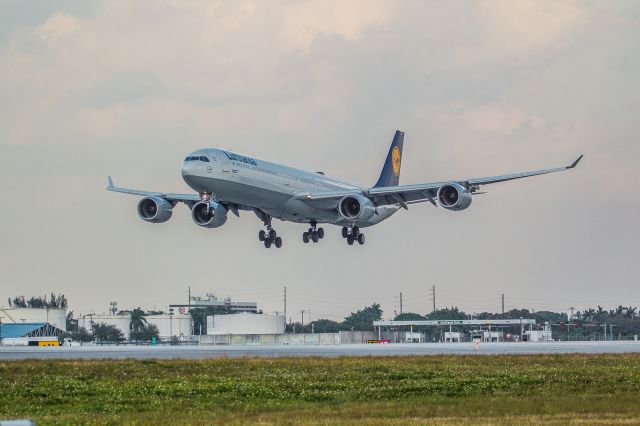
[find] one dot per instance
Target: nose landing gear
(352, 235)
(313, 234)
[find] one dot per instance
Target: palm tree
(601, 314)
(589, 314)
(619, 312)
(138, 321)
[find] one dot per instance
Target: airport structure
(30, 334)
(269, 329)
(55, 317)
(211, 301)
(169, 326)
(482, 330)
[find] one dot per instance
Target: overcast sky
(91, 89)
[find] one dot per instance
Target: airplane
(225, 181)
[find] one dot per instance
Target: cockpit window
(202, 158)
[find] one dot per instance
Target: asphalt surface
(327, 351)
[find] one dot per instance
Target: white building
(538, 336)
(413, 337)
(246, 323)
(55, 317)
(168, 325)
(121, 322)
(452, 337)
(171, 325)
(211, 300)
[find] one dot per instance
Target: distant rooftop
(211, 300)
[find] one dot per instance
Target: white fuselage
(252, 183)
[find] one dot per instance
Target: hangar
(32, 334)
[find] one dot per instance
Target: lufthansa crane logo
(395, 160)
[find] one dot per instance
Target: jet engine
(356, 208)
(154, 209)
(454, 197)
(209, 214)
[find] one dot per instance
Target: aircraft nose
(187, 168)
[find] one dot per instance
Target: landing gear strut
(314, 234)
(269, 236)
(352, 235)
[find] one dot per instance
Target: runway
(326, 351)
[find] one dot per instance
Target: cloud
(306, 20)
(480, 88)
(57, 27)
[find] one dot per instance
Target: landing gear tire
(314, 236)
(350, 240)
(278, 242)
(267, 243)
(272, 234)
(320, 233)
(305, 237)
(355, 231)
(345, 232)
(262, 235)
(361, 239)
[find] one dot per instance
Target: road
(328, 351)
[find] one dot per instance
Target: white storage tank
(121, 322)
(171, 325)
(245, 323)
(55, 317)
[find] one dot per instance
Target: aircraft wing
(411, 194)
(185, 198)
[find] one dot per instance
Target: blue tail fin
(390, 175)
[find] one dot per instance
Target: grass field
(597, 389)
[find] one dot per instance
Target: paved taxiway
(270, 351)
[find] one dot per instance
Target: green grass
(559, 389)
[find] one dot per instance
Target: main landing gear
(352, 235)
(270, 236)
(313, 234)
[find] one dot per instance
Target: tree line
(36, 302)
(139, 329)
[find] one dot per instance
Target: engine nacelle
(454, 197)
(356, 208)
(209, 214)
(154, 210)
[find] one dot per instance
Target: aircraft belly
(235, 191)
(384, 212)
(298, 211)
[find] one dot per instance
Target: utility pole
(302, 312)
(400, 303)
(189, 303)
(1, 330)
(285, 303)
(503, 303)
(433, 296)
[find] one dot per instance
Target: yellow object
(49, 343)
(396, 160)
